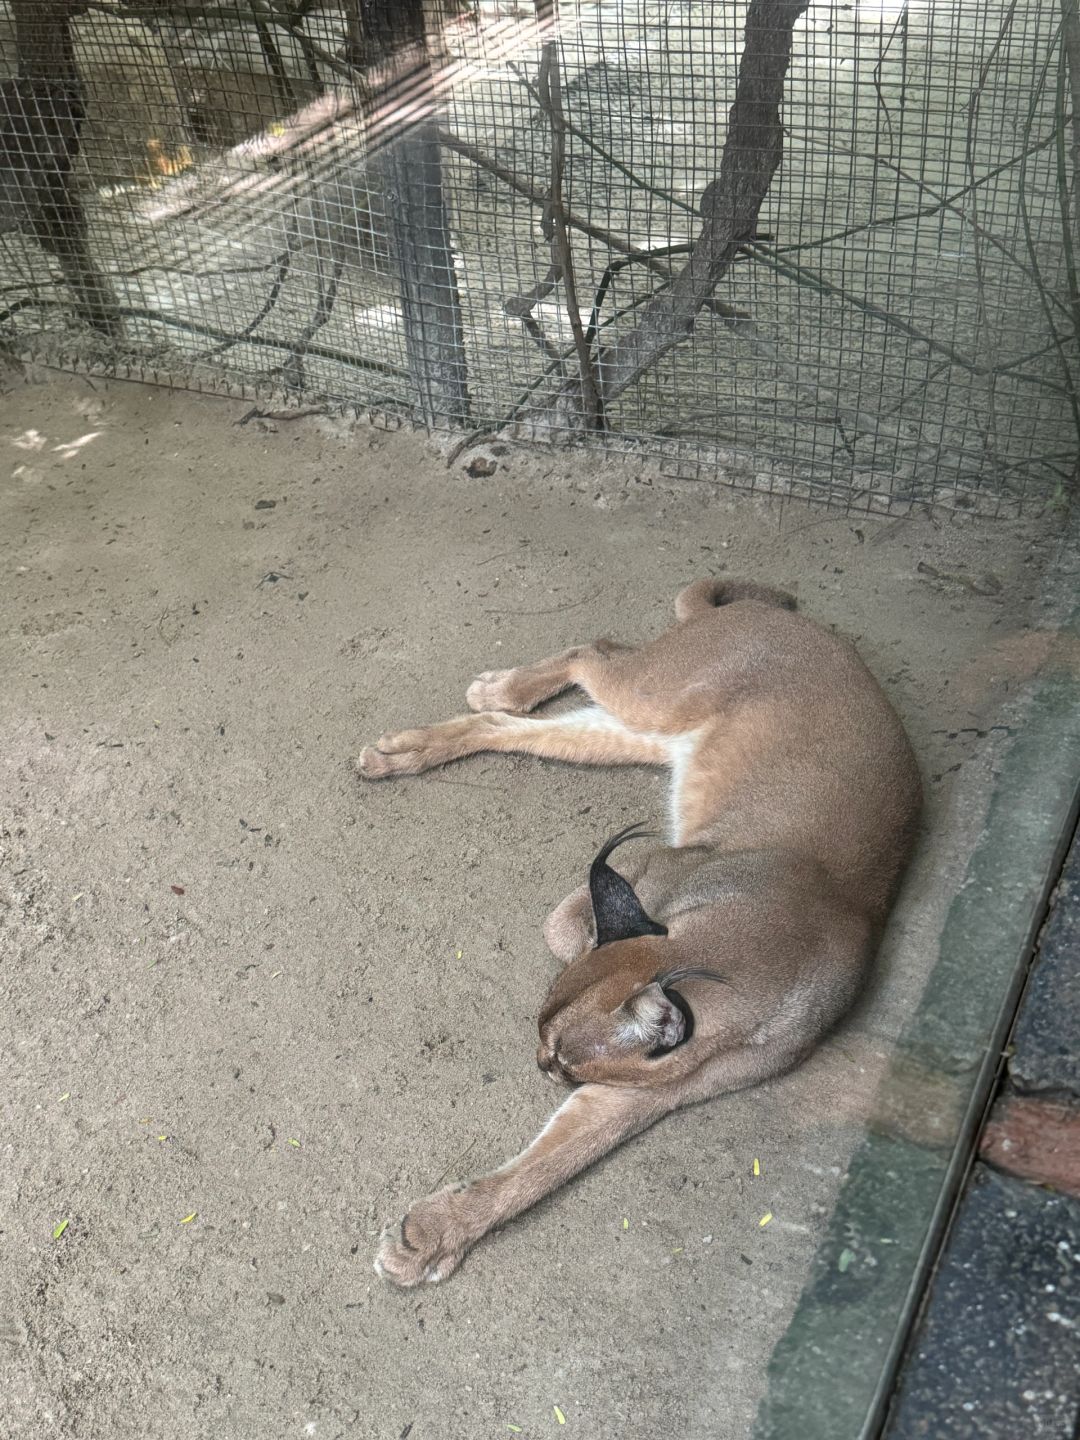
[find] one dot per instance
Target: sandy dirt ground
(251, 1008)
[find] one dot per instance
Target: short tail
(704, 595)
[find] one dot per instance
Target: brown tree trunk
(41, 115)
(43, 44)
(729, 210)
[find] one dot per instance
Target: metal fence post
(391, 35)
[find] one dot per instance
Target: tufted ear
(662, 1021)
(617, 911)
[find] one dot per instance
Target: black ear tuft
(616, 909)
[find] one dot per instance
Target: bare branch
(1044, 290)
(534, 193)
(594, 145)
(817, 282)
(551, 100)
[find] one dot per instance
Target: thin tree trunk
(729, 210)
(41, 116)
(44, 48)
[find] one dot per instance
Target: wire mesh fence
(824, 250)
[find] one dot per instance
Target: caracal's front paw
(428, 1244)
(496, 690)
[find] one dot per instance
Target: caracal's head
(615, 1015)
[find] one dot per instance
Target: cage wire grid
(255, 212)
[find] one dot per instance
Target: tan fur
(794, 801)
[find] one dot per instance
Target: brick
(1037, 1140)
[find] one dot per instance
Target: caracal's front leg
(431, 1241)
(526, 686)
(588, 736)
(437, 1232)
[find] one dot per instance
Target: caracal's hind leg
(588, 736)
(526, 686)
(664, 687)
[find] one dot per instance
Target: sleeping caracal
(723, 957)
